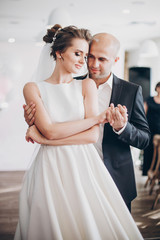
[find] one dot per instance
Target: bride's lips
(78, 66)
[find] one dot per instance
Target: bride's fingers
(31, 140)
(28, 135)
(107, 116)
(27, 139)
(112, 105)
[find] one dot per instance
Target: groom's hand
(119, 117)
(29, 112)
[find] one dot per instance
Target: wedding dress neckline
(63, 83)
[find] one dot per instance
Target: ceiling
(132, 21)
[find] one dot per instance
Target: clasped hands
(117, 117)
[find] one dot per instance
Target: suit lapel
(116, 90)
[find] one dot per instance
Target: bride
(67, 193)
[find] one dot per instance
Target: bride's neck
(60, 75)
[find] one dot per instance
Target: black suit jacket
(116, 148)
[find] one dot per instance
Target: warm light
(39, 44)
(126, 11)
(11, 40)
(148, 48)
(59, 16)
(3, 105)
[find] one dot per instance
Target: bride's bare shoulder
(30, 88)
(88, 82)
(88, 87)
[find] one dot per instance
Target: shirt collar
(109, 82)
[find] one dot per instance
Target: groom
(122, 132)
(116, 138)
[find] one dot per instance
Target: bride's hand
(34, 135)
(104, 117)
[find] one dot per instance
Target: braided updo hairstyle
(62, 37)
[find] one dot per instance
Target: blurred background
(136, 23)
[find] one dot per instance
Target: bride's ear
(58, 54)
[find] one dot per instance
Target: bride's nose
(82, 60)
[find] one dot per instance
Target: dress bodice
(63, 102)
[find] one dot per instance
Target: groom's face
(100, 60)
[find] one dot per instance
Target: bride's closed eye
(77, 54)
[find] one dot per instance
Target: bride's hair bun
(61, 38)
(48, 38)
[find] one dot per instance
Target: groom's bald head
(103, 54)
(106, 40)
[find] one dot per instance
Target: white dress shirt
(104, 96)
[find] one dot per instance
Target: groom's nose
(95, 63)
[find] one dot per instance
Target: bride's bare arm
(62, 130)
(89, 136)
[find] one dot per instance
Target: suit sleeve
(137, 133)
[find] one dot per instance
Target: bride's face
(75, 56)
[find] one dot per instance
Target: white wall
(17, 65)
(153, 62)
(118, 68)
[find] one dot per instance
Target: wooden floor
(146, 219)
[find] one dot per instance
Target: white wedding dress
(67, 193)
